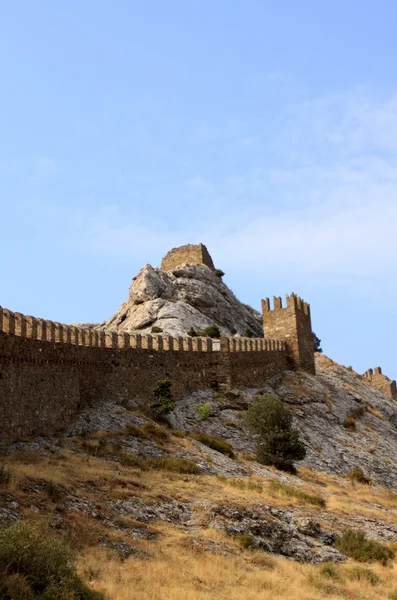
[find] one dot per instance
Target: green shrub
(211, 331)
(350, 423)
(166, 463)
(192, 332)
(36, 563)
(361, 574)
(215, 444)
(162, 392)
(204, 410)
(354, 544)
(316, 343)
(219, 272)
(134, 430)
(358, 475)
(156, 329)
(5, 476)
(277, 443)
(248, 333)
(179, 433)
(357, 413)
(241, 484)
(151, 430)
(233, 331)
(329, 570)
(253, 486)
(246, 541)
(288, 490)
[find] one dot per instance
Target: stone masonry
(292, 324)
(380, 381)
(49, 370)
(190, 254)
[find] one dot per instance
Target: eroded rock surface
(188, 296)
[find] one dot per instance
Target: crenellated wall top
(32, 328)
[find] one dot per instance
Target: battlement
(32, 328)
(293, 301)
(292, 324)
(376, 378)
(190, 254)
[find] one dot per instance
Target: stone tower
(383, 383)
(191, 254)
(292, 324)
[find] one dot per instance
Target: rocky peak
(189, 295)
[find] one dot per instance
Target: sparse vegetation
(361, 574)
(249, 333)
(152, 483)
(211, 331)
(148, 463)
(349, 423)
(316, 343)
(134, 431)
(357, 413)
(246, 541)
(357, 474)
(153, 431)
(219, 272)
(293, 492)
(354, 544)
(215, 443)
(245, 484)
(277, 443)
(156, 329)
(373, 411)
(329, 570)
(5, 476)
(204, 410)
(179, 433)
(37, 563)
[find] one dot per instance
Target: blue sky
(266, 130)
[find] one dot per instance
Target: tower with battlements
(382, 382)
(292, 324)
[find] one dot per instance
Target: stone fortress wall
(380, 381)
(48, 370)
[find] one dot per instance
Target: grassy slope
(173, 562)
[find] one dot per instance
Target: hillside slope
(153, 512)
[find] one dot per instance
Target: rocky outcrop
(344, 421)
(187, 296)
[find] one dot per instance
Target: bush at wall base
(164, 400)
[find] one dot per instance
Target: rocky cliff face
(187, 296)
(344, 421)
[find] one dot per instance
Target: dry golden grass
(175, 567)
(178, 570)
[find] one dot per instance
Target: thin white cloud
(326, 207)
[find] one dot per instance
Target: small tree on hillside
(164, 400)
(316, 343)
(277, 443)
